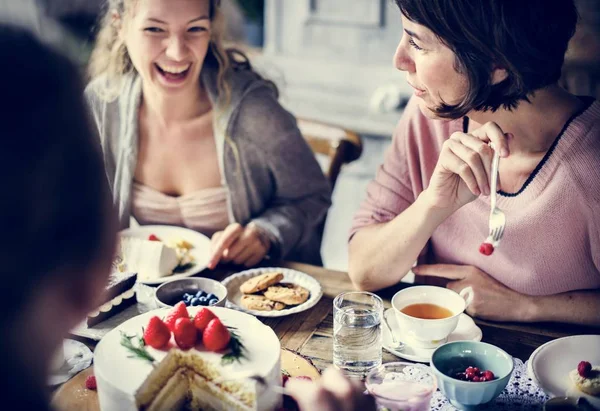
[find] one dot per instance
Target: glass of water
(357, 340)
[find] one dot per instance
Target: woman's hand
(240, 245)
(492, 300)
(332, 392)
(464, 167)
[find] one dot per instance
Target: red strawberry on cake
(215, 336)
(185, 333)
(179, 311)
(156, 333)
(202, 318)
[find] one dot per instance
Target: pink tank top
(205, 211)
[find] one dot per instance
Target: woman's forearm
(380, 255)
(576, 307)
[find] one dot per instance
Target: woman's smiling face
(430, 68)
(167, 41)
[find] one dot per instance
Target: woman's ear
(499, 74)
(117, 22)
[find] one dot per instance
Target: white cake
(149, 259)
(123, 381)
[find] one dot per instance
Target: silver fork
(497, 217)
(245, 375)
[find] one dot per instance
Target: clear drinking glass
(357, 338)
(402, 386)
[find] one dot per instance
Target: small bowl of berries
(471, 373)
(194, 292)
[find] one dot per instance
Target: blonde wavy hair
(111, 60)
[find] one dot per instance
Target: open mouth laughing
(173, 74)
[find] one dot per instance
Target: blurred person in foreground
(59, 228)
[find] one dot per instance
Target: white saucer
(549, 366)
(78, 357)
(465, 330)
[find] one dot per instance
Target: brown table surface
(310, 332)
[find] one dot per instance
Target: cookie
(260, 303)
(290, 294)
(261, 282)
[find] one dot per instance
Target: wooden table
(310, 333)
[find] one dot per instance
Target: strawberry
(185, 333)
(584, 368)
(284, 379)
(156, 334)
(90, 382)
(486, 249)
(152, 237)
(215, 336)
(179, 311)
(202, 318)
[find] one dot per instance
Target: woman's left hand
(492, 300)
(238, 244)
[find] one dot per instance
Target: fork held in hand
(497, 217)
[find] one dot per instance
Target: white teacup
(430, 333)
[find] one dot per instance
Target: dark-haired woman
(483, 73)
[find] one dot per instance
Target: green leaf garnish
(237, 351)
(138, 349)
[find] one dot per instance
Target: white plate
(549, 366)
(289, 276)
(200, 252)
(465, 330)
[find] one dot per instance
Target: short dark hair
(55, 212)
(527, 38)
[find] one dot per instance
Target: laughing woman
(193, 137)
(482, 72)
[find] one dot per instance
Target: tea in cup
(428, 314)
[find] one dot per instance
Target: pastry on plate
(586, 378)
(290, 294)
(260, 303)
(261, 282)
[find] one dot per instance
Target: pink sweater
(552, 239)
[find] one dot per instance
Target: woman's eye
(197, 29)
(154, 30)
(415, 45)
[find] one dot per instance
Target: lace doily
(520, 394)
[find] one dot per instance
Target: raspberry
(90, 382)
(486, 249)
(584, 368)
(303, 377)
(488, 375)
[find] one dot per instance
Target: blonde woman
(193, 137)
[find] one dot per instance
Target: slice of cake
(586, 378)
(149, 259)
(184, 380)
(119, 294)
(170, 378)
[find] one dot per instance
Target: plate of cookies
(272, 292)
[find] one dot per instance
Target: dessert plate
(234, 294)
(465, 330)
(200, 252)
(549, 366)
